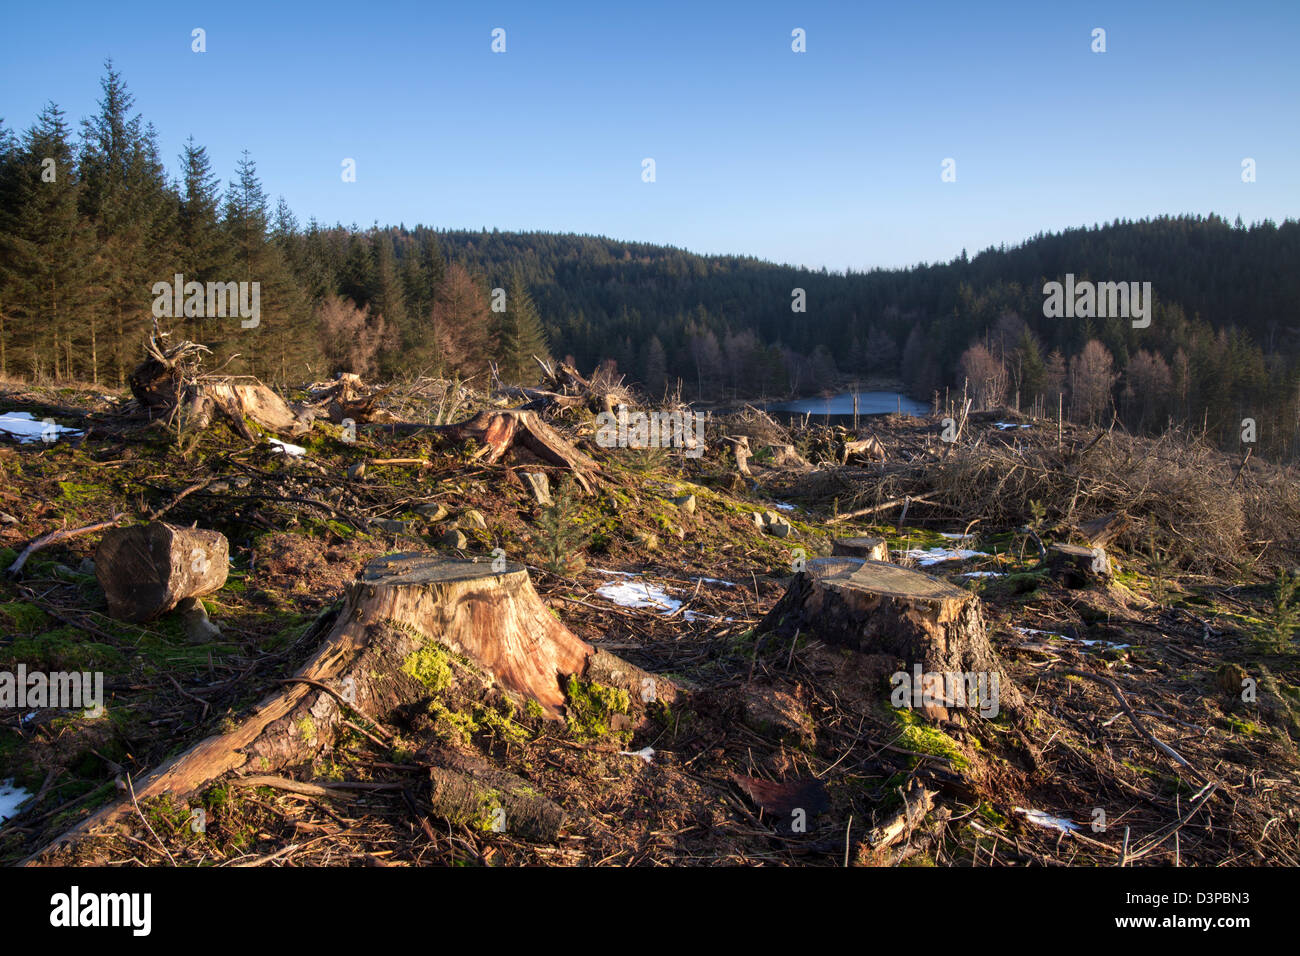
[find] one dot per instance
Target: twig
(1137, 723)
(54, 537)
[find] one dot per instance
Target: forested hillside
(91, 219)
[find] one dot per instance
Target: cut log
(871, 549)
(1075, 566)
(147, 569)
(879, 608)
(472, 793)
(413, 628)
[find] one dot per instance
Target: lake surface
(869, 403)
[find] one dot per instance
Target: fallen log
(879, 608)
(147, 569)
(883, 506)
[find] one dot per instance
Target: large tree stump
(241, 402)
(872, 549)
(501, 431)
(147, 569)
(880, 608)
(413, 628)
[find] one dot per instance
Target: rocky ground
(780, 750)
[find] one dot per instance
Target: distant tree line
(89, 223)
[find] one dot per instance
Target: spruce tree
(519, 335)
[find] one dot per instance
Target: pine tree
(47, 250)
(519, 335)
(204, 249)
(126, 197)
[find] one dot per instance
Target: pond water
(869, 403)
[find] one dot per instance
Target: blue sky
(826, 158)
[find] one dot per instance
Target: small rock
(241, 481)
(453, 539)
(685, 503)
(219, 486)
(194, 620)
(646, 539)
(357, 472)
(87, 566)
(473, 519)
(432, 510)
(7, 518)
(758, 520)
(391, 526)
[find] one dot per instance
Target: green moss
(451, 725)
(22, 617)
(430, 666)
(79, 493)
(591, 707)
(919, 736)
(990, 815)
(1242, 726)
(63, 649)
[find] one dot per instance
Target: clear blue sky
(826, 158)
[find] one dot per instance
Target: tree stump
(499, 432)
(147, 569)
(880, 608)
(240, 402)
(413, 628)
(1075, 566)
(871, 549)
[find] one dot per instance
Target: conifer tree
(519, 335)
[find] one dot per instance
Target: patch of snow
(27, 429)
(622, 574)
(1031, 632)
(730, 584)
(1047, 820)
(927, 557)
(645, 753)
(784, 506)
(983, 574)
(283, 446)
(639, 594)
(1034, 632)
(1003, 426)
(11, 798)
